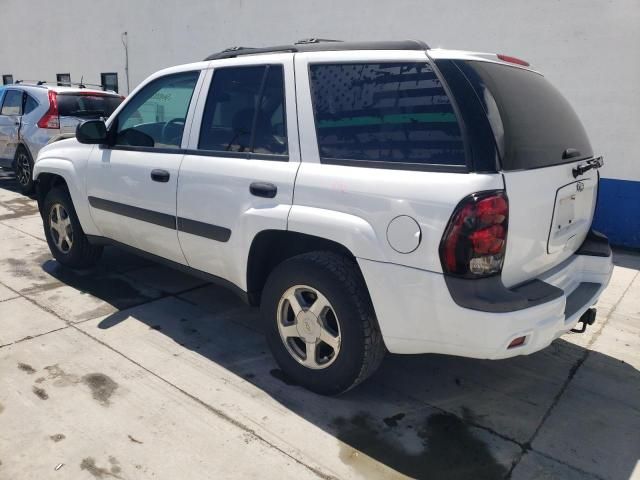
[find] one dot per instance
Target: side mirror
(92, 132)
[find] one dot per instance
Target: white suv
(368, 196)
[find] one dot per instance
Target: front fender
(64, 160)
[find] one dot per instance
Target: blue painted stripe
(618, 212)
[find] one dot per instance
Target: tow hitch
(587, 318)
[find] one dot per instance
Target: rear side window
(29, 104)
(87, 105)
(396, 113)
(245, 111)
(534, 125)
(12, 104)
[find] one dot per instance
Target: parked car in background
(369, 197)
(33, 115)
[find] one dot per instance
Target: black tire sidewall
(74, 256)
(345, 370)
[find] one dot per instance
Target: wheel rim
(61, 228)
(309, 327)
(23, 170)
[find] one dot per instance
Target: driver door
(132, 182)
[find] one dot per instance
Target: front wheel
(320, 323)
(67, 242)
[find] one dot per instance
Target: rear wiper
(582, 168)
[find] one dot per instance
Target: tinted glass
(531, 120)
(155, 116)
(87, 106)
(12, 104)
(384, 112)
(29, 104)
(245, 111)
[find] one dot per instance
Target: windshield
(87, 105)
(533, 123)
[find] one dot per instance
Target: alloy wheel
(309, 327)
(23, 169)
(60, 228)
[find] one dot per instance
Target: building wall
(590, 49)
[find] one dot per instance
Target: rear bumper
(417, 313)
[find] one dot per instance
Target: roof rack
(40, 83)
(318, 45)
(305, 41)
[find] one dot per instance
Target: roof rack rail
(318, 45)
(306, 41)
(238, 51)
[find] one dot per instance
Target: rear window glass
(87, 105)
(384, 112)
(534, 125)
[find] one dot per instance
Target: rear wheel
(67, 242)
(320, 323)
(24, 170)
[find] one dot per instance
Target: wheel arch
(49, 173)
(270, 248)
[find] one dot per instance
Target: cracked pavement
(134, 371)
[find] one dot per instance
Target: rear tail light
(474, 241)
(516, 60)
(51, 119)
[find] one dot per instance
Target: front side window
(156, 115)
(384, 112)
(245, 111)
(12, 104)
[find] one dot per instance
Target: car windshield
(87, 105)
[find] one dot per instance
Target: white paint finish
(354, 205)
(69, 159)
(417, 314)
(532, 205)
(216, 189)
(125, 177)
(404, 234)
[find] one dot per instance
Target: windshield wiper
(582, 168)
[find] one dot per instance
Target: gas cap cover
(404, 234)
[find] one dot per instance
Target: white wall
(589, 48)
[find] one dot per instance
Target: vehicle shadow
(431, 416)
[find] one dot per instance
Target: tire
(348, 322)
(58, 215)
(23, 168)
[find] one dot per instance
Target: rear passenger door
(237, 177)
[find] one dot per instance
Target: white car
(370, 197)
